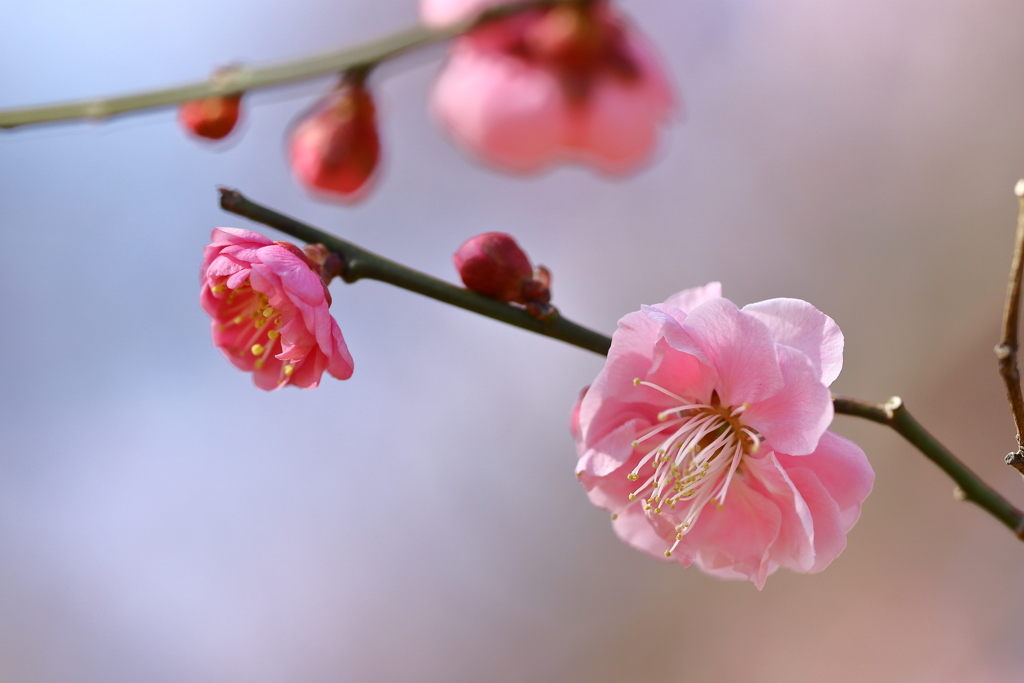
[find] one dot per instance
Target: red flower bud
(211, 117)
(494, 265)
(336, 148)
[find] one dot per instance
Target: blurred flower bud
(335, 149)
(210, 117)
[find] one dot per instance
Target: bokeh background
(162, 520)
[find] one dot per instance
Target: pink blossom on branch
(270, 311)
(575, 82)
(706, 436)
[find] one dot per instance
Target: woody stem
(361, 264)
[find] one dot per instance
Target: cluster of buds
(494, 265)
(334, 149)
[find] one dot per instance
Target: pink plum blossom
(574, 82)
(706, 436)
(270, 311)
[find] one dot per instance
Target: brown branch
(970, 486)
(1006, 351)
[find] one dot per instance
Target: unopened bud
(211, 117)
(492, 264)
(336, 148)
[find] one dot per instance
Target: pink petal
(795, 546)
(798, 324)
(600, 457)
(633, 528)
(739, 347)
(508, 112)
(735, 540)
(629, 357)
(223, 236)
(681, 373)
(296, 277)
(689, 299)
(341, 365)
(842, 468)
(793, 419)
(829, 533)
(437, 13)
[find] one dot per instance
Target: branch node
(1015, 460)
(892, 405)
(959, 493)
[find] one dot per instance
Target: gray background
(162, 520)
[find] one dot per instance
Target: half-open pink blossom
(270, 311)
(706, 436)
(574, 82)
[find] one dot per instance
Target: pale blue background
(162, 520)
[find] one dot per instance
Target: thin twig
(241, 78)
(969, 486)
(359, 264)
(1006, 351)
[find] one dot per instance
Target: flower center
(259, 323)
(699, 448)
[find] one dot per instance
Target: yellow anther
(273, 334)
(668, 553)
(217, 289)
(614, 517)
(257, 349)
(635, 444)
(632, 496)
(238, 320)
(655, 484)
(288, 370)
(259, 364)
(679, 537)
(267, 312)
(632, 476)
(579, 475)
(636, 381)
(657, 510)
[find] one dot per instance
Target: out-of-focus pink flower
(706, 436)
(336, 149)
(270, 311)
(211, 117)
(572, 82)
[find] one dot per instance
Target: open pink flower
(572, 82)
(270, 311)
(705, 435)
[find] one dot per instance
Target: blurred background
(163, 520)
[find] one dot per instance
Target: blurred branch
(241, 78)
(1006, 351)
(359, 264)
(969, 486)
